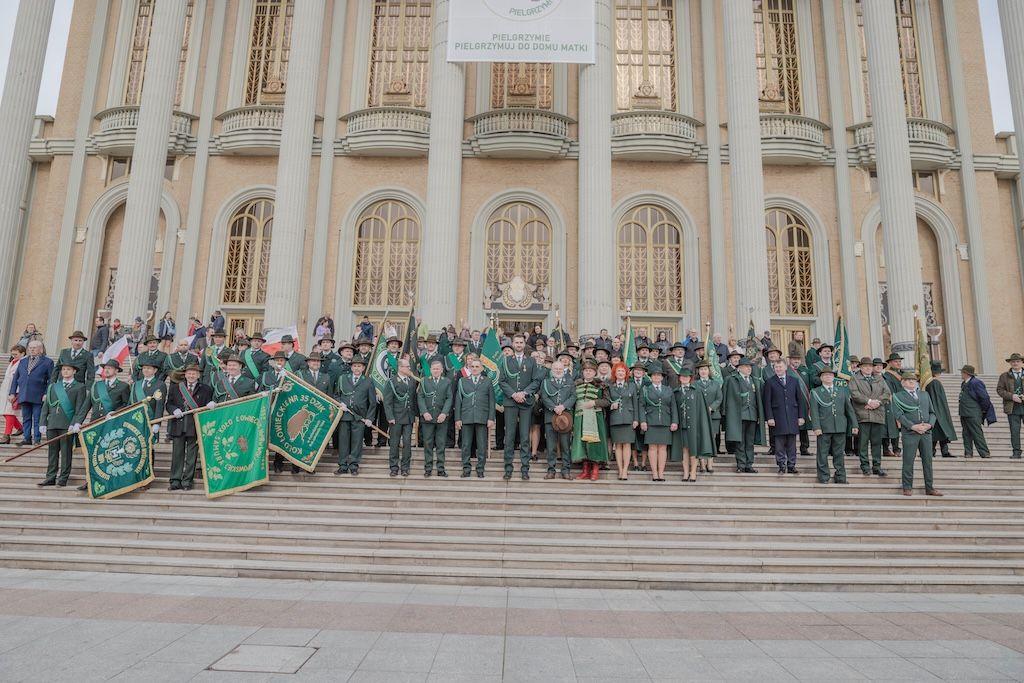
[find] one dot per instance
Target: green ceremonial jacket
(53, 415)
(694, 430)
(322, 381)
(158, 357)
(224, 390)
(118, 397)
(657, 406)
(944, 430)
(254, 363)
(713, 397)
(832, 411)
(434, 396)
(908, 411)
(474, 401)
(742, 403)
(85, 366)
(557, 393)
(628, 398)
(400, 400)
(144, 389)
(360, 397)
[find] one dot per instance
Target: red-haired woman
(622, 416)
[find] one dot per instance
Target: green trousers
(744, 449)
(831, 445)
(974, 436)
(1014, 419)
(917, 444)
(59, 452)
(435, 437)
(871, 434)
(350, 443)
(400, 447)
(518, 419)
(561, 441)
(184, 451)
(474, 435)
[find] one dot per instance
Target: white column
(746, 179)
(288, 241)
(438, 276)
(149, 158)
(713, 131)
(895, 191)
(986, 360)
(17, 110)
(597, 296)
(844, 211)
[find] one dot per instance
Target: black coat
(784, 404)
(185, 426)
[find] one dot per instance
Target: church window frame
(649, 238)
(777, 52)
(247, 255)
(138, 52)
(519, 242)
(268, 52)
(401, 41)
(911, 69)
(388, 235)
(790, 253)
(645, 55)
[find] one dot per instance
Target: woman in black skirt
(622, 417)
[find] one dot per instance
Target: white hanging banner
(521, 31)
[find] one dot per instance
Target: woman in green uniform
(659, 417)
(692, 440)
(622, 417)
(713, 397)
(590, 433)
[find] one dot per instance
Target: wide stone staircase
(728, 531)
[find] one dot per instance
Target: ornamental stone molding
(931, 145)
(117, 128)
(253, 130)
(385, 132)
(655, 135)
(790, 139)
(520, 133)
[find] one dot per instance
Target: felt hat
(969, 369)
(78, 334)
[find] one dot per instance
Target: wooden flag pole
(200, 409)
(155, 397)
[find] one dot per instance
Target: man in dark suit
(79, 357)
(358, 397)
(28, 387)
(182, 397)
(434, 399)
(785, 409)
(518, 379)
(400, 410)
(64, 407)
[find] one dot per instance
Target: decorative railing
(918, 131)
(793, 127)
(654, 122)
(521, 120)
(127, 118)
(254, 117)
(388, 119)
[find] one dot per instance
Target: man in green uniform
(893, 379)
(824, 360)
(944, 432)
(79, 357)
(673, 365)
(152, 354)
(832, 418)
(802, 374)
(975, 407)
(430, 352)
(474, 416)
(174, 364)
(231, 384)
(400, 412)
(358, 399)
(314, 375)
(150, 386)
(743, 415)
(295, 360)
(1010, 388)
(274, 371)
(65, 405)
(912, 409)
(518, 379)
(107, 395)
(871, 397)
(558, 395)
(210, 360)
(333, 362)
(434, 398)
(254, 358)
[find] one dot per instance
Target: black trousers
(184, 452)
(350, 443)
(59, 452)
(518, 419)
(785, 450)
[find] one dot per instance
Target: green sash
(454, 360)
(103, 394)
(227, 386)
(138, 394)
(391, 361)
(190, 401)
(250, 363)
(63, 399)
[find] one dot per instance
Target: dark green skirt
(657, 436)
(623, 434)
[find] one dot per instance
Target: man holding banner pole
(358, 398)
(188, 395)
(65, 405)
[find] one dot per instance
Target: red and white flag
(273, 343)
(118, 351)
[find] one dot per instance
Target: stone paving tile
(282, 636)
(469, 655)
(605, 657)
(747, 668)
(402, 652)
(889, 669)
(280, 659)
(819, 669)
(960, 669)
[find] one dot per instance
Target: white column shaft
(892, 151)
(597, 296)
(149, 158)
(438, 274)
(287, 244)
(17, 110)
(746, 179)
(716, 212)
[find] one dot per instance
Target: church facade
(721, 162)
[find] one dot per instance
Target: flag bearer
(434, 397)
(189, 394)
(65, 405)
(358, 399)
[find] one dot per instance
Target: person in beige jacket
(870, 395)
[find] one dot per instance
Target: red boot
(585, 474)
(595, 471)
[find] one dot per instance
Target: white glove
(177, 412)
(368, 423)
(211, 404)
(344, 407)
(75, 428)
(155, 429)
(42, 431)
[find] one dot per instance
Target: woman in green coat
(659, 417)
(692, 440)
(589, 429)
(622, 416)
(713, 397)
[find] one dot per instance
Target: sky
(1001, 114)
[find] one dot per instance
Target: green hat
(150, 338)
(909, 374)
(686, 371)
(866, 360)
(893, 356)
(431, 338)
(234, 358)
(327, 338)
(258, 335)
(69, 364)
(358, 360)
(191, 363)
(458, 341)
(677, 345)
(771, 348)
(393, 340)
(219, 333)
(280, 355)
(287, 339)
(826, 369)
(346, 345)
(151, 362)
(746, 361)
(826, 345)
(589, 363)
(639, 366)
(854, 359)
(703, 364)
(564, 353)
(314, 355)
(363, 341)
(734, 353)
(112, 363)
(1013, 357)
(969, 369)
(78, 334)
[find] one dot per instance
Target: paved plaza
(82, 626)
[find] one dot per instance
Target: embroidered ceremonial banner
(302, 421)
(118, 453)
(490, 355)
(233, 445)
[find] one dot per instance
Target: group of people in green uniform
(583, 403)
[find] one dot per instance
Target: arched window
(270, 40)
(400, 43)
(140, 50)
(517, 84)
(645, 55)
(387, 255)
(248, 254)
(778, 61)
(790, 264)
(650, 260)
(518, 267)
(910, 58)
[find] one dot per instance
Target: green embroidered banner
(301, 422)
(118, 453)
(233, 445)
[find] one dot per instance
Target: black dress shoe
(865, 472)
(394, 473)
(174, 487)
(479, 475)
(950, 455)
(750, 470)
(353, 470)
(83, 487)
(405, 473)
(793, 470)
(878, 472)
(341, 470)
(782, 470)
(278, 468)
(465, 474)
(525, 476)
(824, 481)
(841, 481)
(48, 482)
(507, 476)
(186, 487)
(25, 443)
(296, 469)
(427, 474)
(442, 474)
